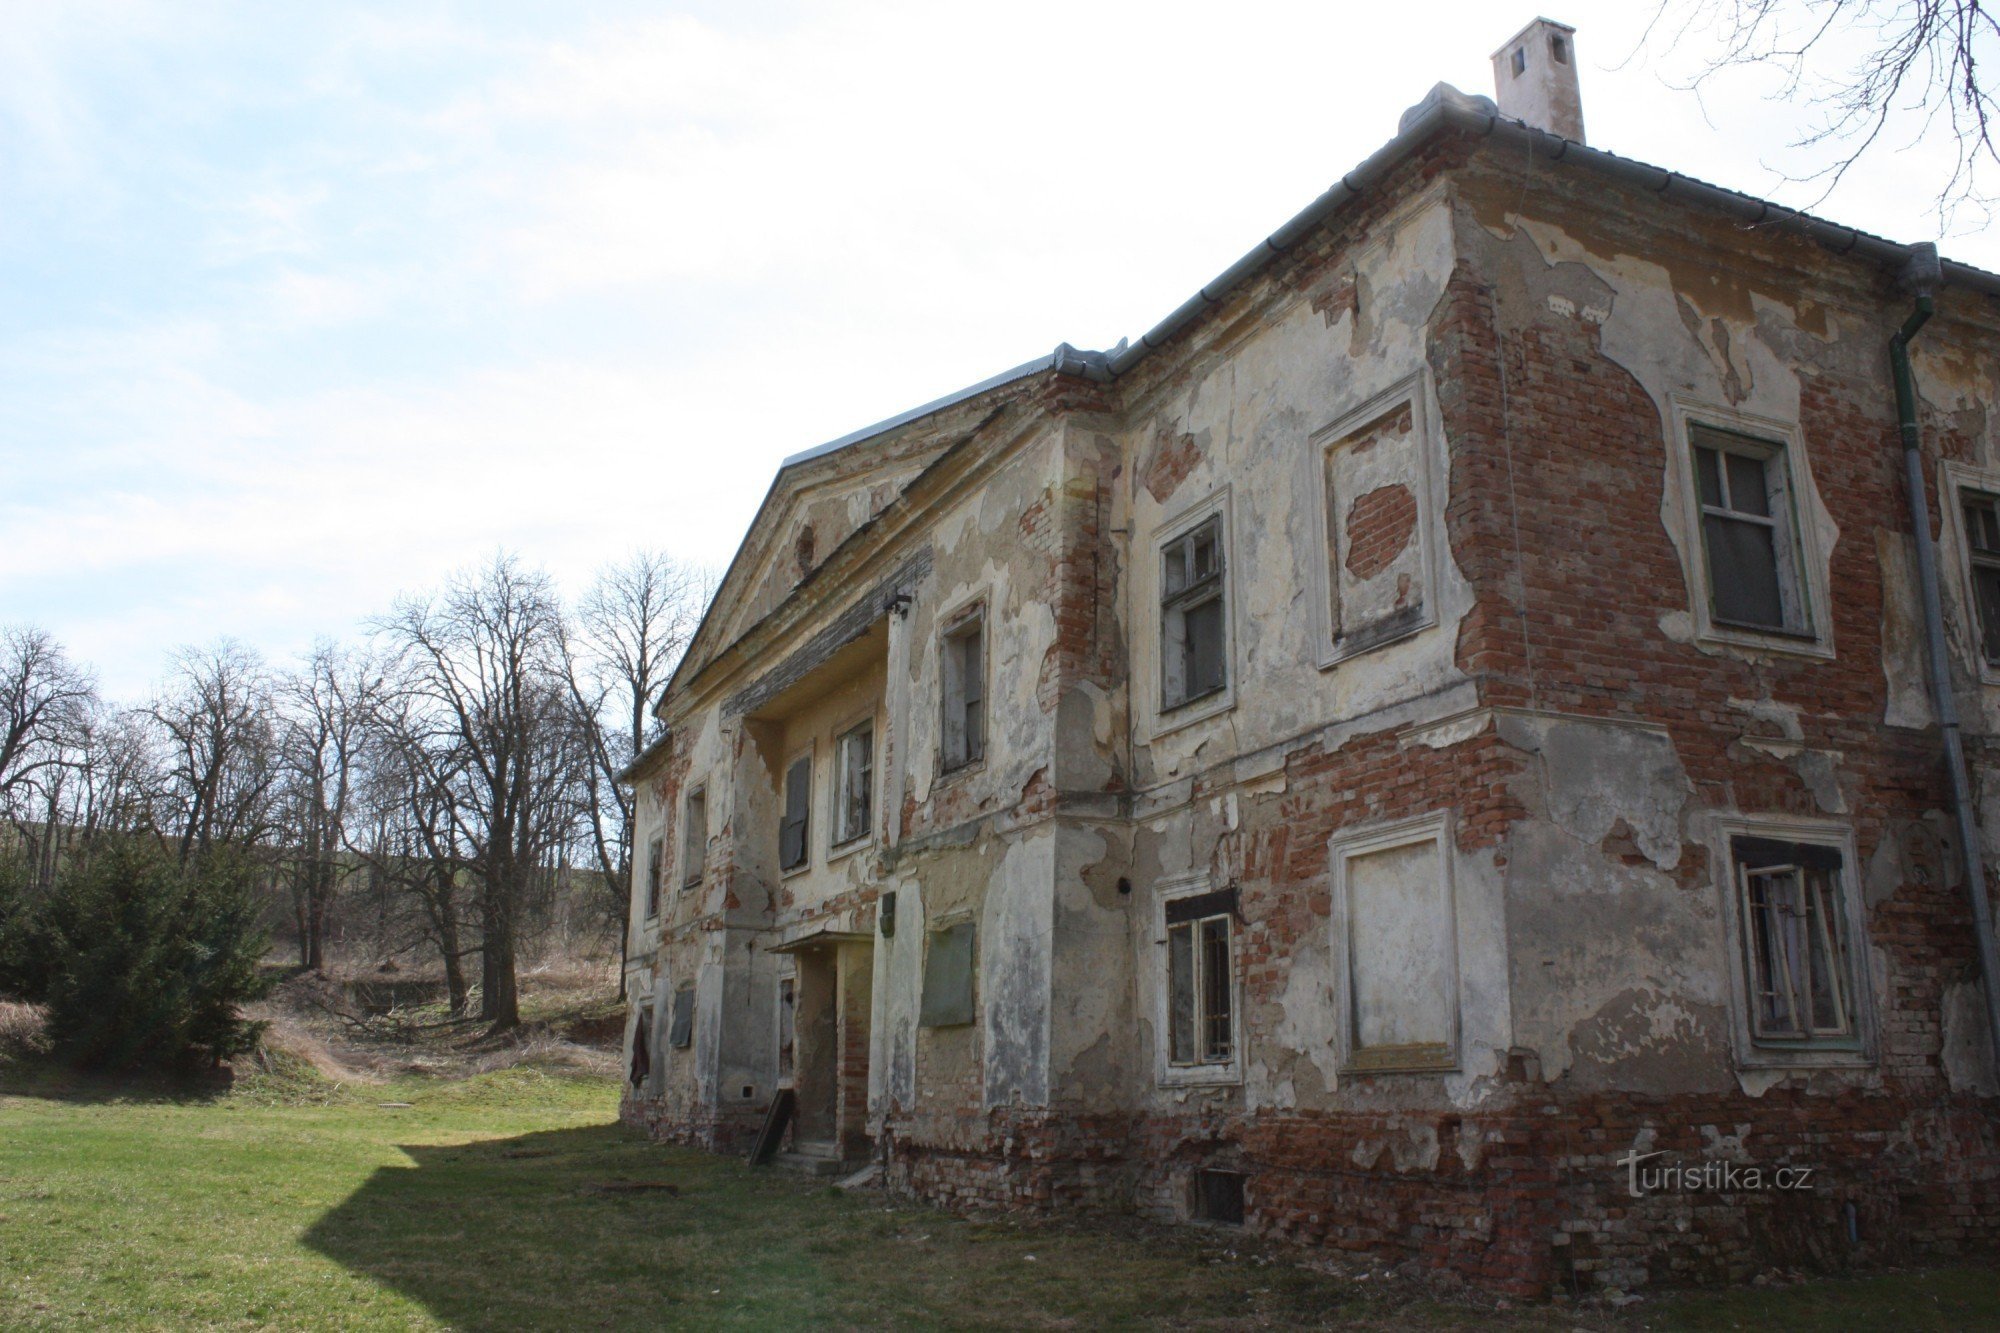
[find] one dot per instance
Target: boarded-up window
(656, 853)
(681, 1035)
(854, 792)
(964, 667)
(694, 838)
(948, 977)
(794, 825)
(1194, 636)
(1982, 540)
(1399, 937)
(1799, 959)
(1375, 497)
(1748, 531)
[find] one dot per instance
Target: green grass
(290, 1203)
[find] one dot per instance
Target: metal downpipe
(1925, 271)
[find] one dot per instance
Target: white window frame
(952, 627)
(1204, 1073)
(693, 871)
(1954, 479)
(1859, 1051)
(1352, 844)
(1413, 389)
(1170, 719)
(1807, 546)
(840, 839)
(807, 753)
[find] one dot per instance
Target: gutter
(1923, 274)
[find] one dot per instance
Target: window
(1520, 60)
(694, 838)
(793, 826)
(656, 853)
(854, 789)
(1982, 555)
(1559, 49)
(1193, 631)
(681, 1035)
(1798, 965)
(948, 957)
(1396, 944)
(963, 671)
(1218, 1198)
(1200, 981)
(1748, 532)
(1196, 1000)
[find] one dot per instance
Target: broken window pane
(1795, 935)
(798, 806)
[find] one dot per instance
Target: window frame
(1169, 1072)
(694, 869)
(1805, 547)
(1753, 1051)
(1346, 845)
(840, 839)
(955, 628)
(1331, 647)
(1955, 481)
(806, 756)
(1172, 717)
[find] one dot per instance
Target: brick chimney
(1534, 79)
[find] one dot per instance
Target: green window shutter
(681, 1035)
(948, 963)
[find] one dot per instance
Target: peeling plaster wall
(1250, 425)
(1466, 593)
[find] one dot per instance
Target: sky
(305, 306)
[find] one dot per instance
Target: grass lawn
(482, 1204)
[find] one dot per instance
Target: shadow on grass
(50, 1080)
(576, 1228)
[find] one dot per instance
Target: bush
(142, 961)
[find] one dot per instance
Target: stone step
(812, 1164)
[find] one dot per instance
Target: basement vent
(1218, 1197)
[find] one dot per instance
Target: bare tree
(217, 728)
(45, 703)
(415, 841)
(483, 677)
(327, 707)
(1862, 66)
(631, 628)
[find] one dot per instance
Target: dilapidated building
(1439, 722)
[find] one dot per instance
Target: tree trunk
(454, 962)
(499, 998)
